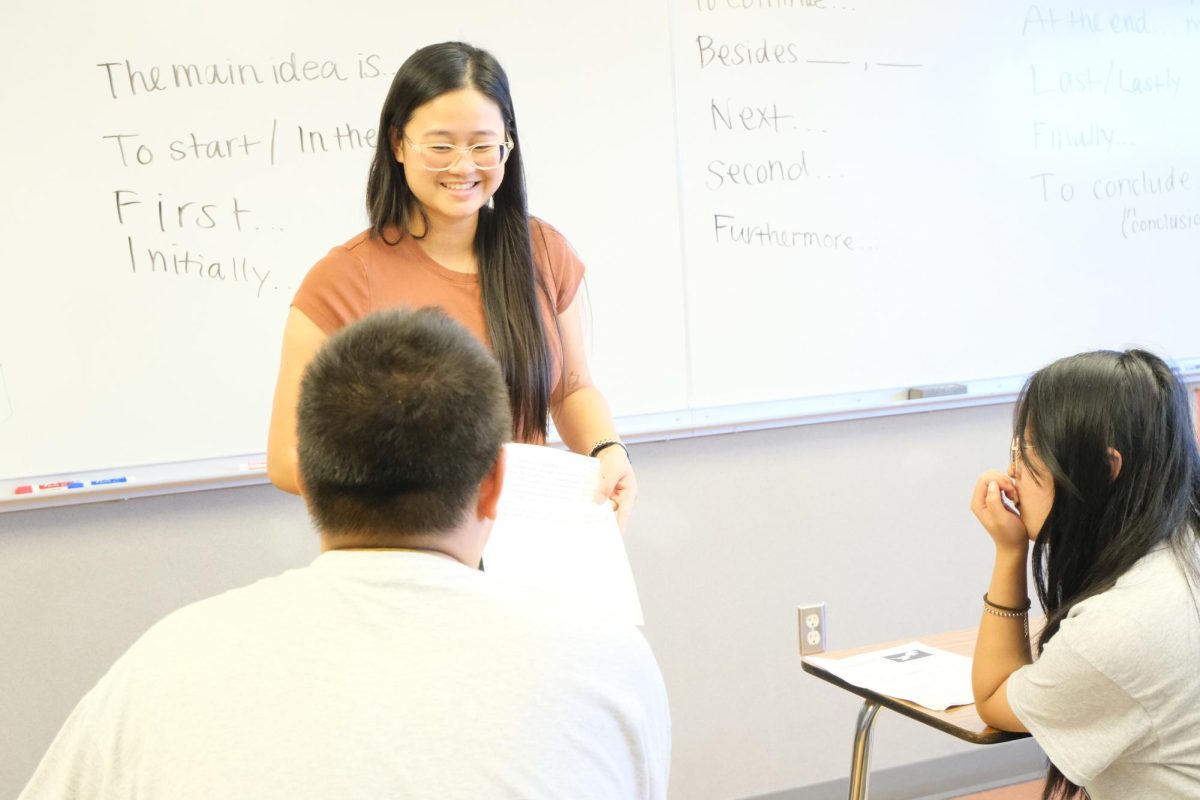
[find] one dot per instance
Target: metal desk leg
(860, 763)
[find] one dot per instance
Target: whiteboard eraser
(936, 390)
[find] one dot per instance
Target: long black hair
(1099, 526)
(509, 283)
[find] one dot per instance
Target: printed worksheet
(550, 531)
(915, 671)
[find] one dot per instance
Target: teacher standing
(450, 228)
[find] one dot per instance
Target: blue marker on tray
(108, 481)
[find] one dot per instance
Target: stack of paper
(551, 533)
(925, 675)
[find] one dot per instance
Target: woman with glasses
(450, 228)
(1105, 481)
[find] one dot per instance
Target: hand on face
(1000, 520)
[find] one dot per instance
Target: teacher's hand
(617, 483)
(1000, 520)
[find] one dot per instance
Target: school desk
(959, 721)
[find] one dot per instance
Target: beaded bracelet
(1008, 612)
(998, 607)
(605, 443)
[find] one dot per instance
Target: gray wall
(731, 533)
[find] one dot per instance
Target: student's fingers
(988, 504)
(1004, 481)
(979, 494)
(604, 487)
(615, 470)
(979, 497)
(992, 498)
(998, 519)
(990, 490)
(1007, 526)
(623, 498)
(617, 484)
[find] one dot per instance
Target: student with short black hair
(398, 424)
(1104, 479)
(390, 667)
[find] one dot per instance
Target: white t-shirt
(371, 674)
(1114, 699)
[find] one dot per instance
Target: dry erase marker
(108, 481)
(46, 487)
(255, 465)
(25, 490)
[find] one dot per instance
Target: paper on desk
(551, 533)
(915, 671)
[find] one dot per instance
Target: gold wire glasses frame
(1014, 451)
(440, 156)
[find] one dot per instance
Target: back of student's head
(400, 417)
(1071, 413)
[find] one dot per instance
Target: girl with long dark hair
(450, 228)
(1104, 479)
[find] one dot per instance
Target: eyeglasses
(1014, 451)
(439, 156)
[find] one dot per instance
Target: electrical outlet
(812, 629)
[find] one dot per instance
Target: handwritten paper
(915, 671)
(551, 533)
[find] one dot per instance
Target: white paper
(915, 671)
(551, 533)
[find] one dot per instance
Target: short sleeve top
(368, 274)
(1114, 699)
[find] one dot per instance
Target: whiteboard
(175, 171)
(887, 194)
(788, 208)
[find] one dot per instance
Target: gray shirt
(1114, 699)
